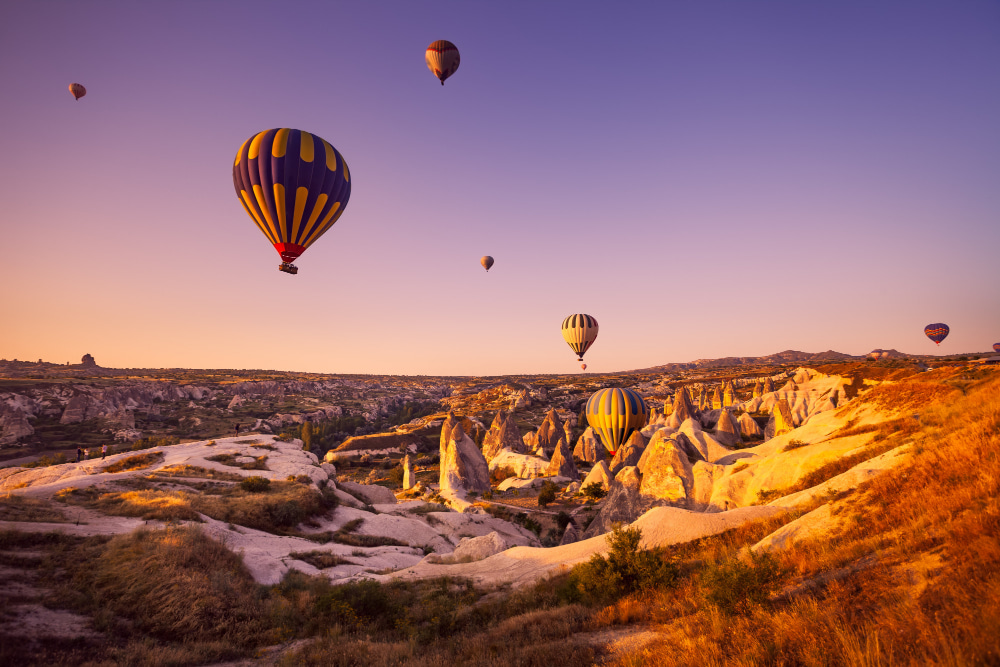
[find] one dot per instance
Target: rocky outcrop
(524, 466)
(503, 434)
(409, 473)
(716, 399)
(562, 462)
(682, 409)
(463, 468)
(623, 505)
(14, 425)
(629, 454)
(477, 548)
(708, 448)
(570, 535)
(768, 386)
(548, 435)
(728, 395)
(666, 473)
(568, 430)
(599, 474)
(727, 432)
(748, 427)
(781, 420)
(758, 389)
(88, 361)
(372, 493)
(588, 448)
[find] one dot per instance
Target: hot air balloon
(487, 262)
(937, 332)
(996, 347)
(442, 59)
(583, 366)
(77, 90)
(580, 331)
(615, 414)
(294, 185)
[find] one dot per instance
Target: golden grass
(20, 508)
(911, 577)
(137, 462)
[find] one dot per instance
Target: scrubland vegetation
(908, 573)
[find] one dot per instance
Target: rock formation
(88, 361)
(13, 425)
(629, 453)
(758, 389)
(623, 504)
(727, 431)
(463, 467)
(682, 409)
(588, 448)
(728, 394)
(562, 462)
(768, 385)
(503, 434)
(548, 435)
(409, 473)
(749, 427)
(570, 535)
(600, 474)
(716, 399)
(666, 473)
(781, 420)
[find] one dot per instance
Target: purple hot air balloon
(996, 347)
(937, 332)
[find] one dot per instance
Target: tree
(547, 494)
(307, 436)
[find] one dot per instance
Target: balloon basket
(288, 267)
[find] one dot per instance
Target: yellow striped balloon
(580, 331)
(615, 414)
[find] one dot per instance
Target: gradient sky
(708, 179)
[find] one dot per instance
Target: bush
(547, 494)
(255, 484)
(626, 569)
(562, 520)
(736, 587)
(498, 475)
(594, 491)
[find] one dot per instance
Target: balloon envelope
(583, 366)
(487, 262)
(442, 59)
(294, 185)
(77, 90)
(580, 332)
(615, 414)
(937, 332)
(996, 347)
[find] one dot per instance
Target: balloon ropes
(615, 414)
(77, 90)
(294, 185)
(937, 332)
(580, 332)
(442, 59)
(487, 262)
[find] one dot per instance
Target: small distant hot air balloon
(487, 262)
(996, 347)
(77, 90)
(614, 414)
(583, 366)
(442, 59)
(294, 185)
(937, 332)
(580, 332)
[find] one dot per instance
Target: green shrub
(255, 484)
(498, 475)
(547, 494)
(626, 569)
(736, 586)
(594, 491)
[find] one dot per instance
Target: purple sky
(707, 179)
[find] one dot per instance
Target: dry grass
(197, 472)
(258, 463)
(20, 508)
(137, 462)
(911, 577)
(321, 559)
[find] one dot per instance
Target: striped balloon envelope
(77, 90)
(580, 332)
(936, 332)
(615, 414)
(996, 347)
(442, 59)
(294, 185)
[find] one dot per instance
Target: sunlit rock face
(781, 420)
(629, 453)
(727, 432)
(463, 467)
(588, 448)
(562, 462)
(749, 427)
(503, 434)
(599, 474)
(548, 435)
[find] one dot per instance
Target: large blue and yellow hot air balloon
(614, 414)
(580, 331)
(294, 185)
(937, 332)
